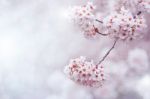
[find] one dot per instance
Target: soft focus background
(37, 40)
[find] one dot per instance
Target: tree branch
(97, 31)
(108, 52)
(139, 13)
(102, 33)
(99, 21)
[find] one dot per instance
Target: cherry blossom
(83, 16)
(85, 72)
(124, 25)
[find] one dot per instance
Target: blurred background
(37, 41)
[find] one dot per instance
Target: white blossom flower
(124, 25)
(85, 72)
(83, 16)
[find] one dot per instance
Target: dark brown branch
(139, 13)
(108, 52)
(97, 31)
(99, 21)
(102, 33)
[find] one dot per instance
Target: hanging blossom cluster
(124, 25)
(120, 25)
(143, 5)
(85, 72)
(83, 16)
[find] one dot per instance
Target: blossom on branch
(124, 25)
(85, 72)
(83, 16)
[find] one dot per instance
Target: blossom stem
(139, 13)
(108, 52)
(97, 31)
(102, 33)
(99, 21)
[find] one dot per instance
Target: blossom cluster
(85, 72)
(124, 25)
(83, 16)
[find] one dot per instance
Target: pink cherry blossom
(85, 72)
(83, 16)
(124, 25)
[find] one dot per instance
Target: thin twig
(139, 13)
(108, 52)
(97, 31)
(99, 21)
(102, 33)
